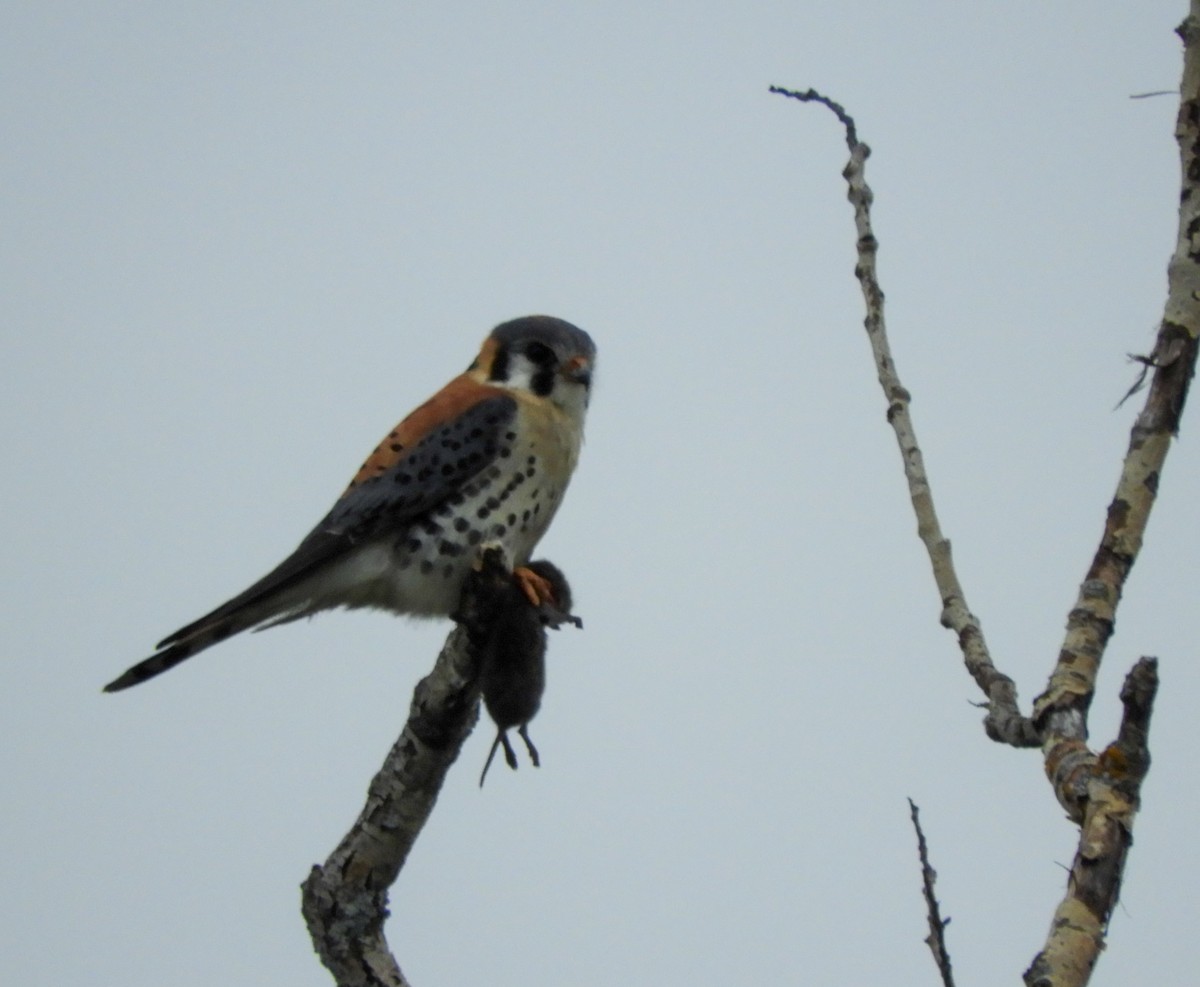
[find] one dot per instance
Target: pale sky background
(240, 242)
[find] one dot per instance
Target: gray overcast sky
(240, 241)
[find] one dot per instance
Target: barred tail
(182, 648)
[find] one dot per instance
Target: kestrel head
(541, 355)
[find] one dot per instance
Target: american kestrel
(486, 460)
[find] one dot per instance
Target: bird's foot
(540, 591)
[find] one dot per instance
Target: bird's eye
(540, 353)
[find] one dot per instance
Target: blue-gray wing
(417, 478)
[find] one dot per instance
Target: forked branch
(1100, 792)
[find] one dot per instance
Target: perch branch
(344, 901)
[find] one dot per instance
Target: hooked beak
(578, 370)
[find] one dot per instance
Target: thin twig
(839, 111)
(936, 940)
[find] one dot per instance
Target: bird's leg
(509, 754)
(540, 592)
(533, 754)
(492, 753)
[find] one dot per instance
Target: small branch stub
(1080, 922)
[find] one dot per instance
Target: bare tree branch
(345, 900)
(936, 940)
(1061, 711)
(1004, 721)
(1100, 792)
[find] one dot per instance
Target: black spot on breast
(402, 478)
(482, 513)
(396, 447)
(449, 548)
(462, 524)
(500, 530)
(474, 537)
(492, 503)
(413, 545)
(512, 519)
(426, 567)
(431, 527)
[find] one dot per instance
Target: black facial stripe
(500, 364)
(542, 382)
